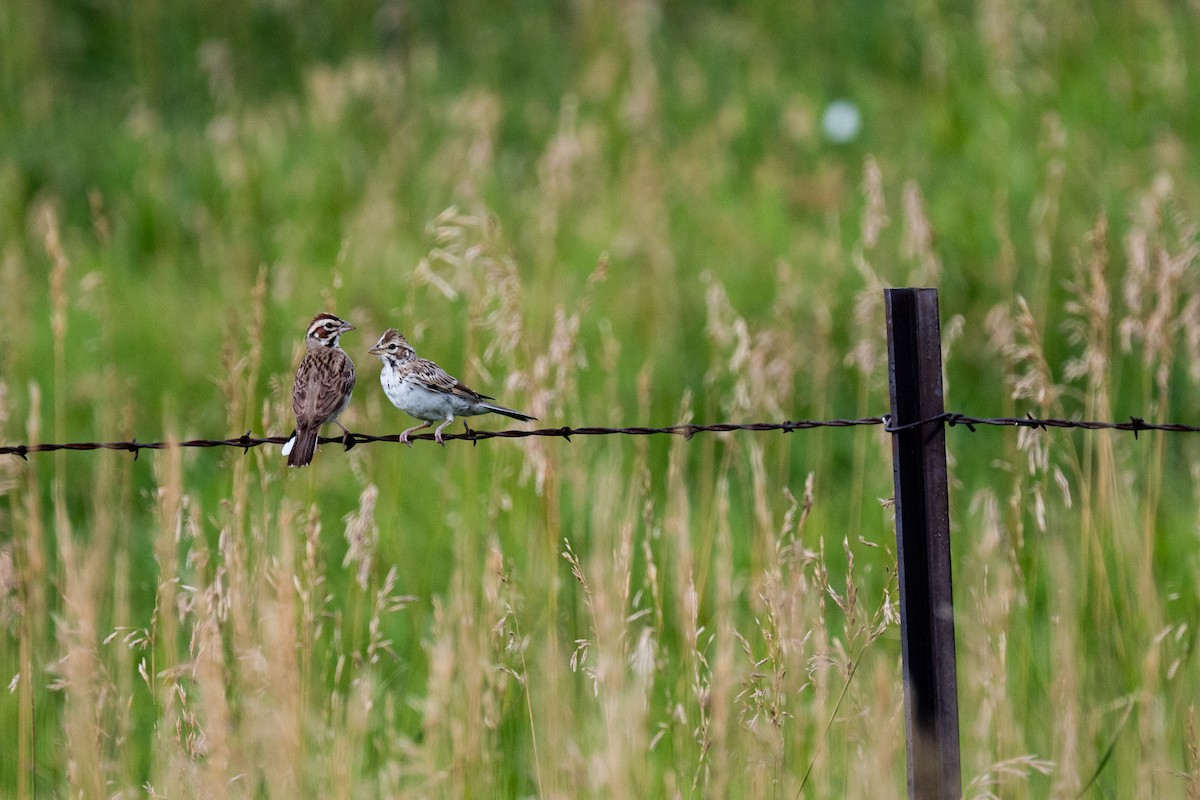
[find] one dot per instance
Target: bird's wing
(305, 390)
(439, 380)
(324, 381)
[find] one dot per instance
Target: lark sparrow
(324, 381)
(423, 390)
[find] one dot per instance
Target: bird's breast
(414, 398)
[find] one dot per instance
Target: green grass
(601, 216)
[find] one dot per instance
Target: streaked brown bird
(324, 382)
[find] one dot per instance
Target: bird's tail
(301, 447)
(508, 412)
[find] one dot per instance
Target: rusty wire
(687, 431)
(1135, 425)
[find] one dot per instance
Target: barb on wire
(687, 431)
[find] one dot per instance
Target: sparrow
(422, 389)
(324, 382)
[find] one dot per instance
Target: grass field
(602, 214)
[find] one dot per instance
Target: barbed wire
(246, 441)
(1135, 425)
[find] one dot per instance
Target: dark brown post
(923, 544)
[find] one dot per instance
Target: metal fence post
(923, 545)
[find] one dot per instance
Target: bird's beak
(375, 350)
(346, 326)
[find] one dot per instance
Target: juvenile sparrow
(324, 381)
(423, 390)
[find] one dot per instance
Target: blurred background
(627, 213)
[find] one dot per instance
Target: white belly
(429, 406)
